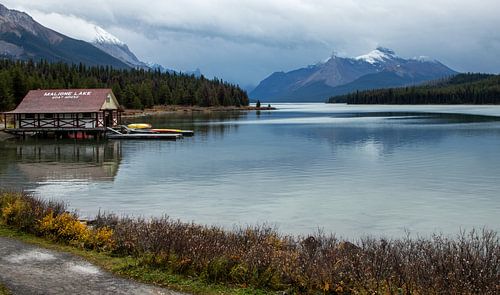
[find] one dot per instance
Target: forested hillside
(467, 88)
(133, 88)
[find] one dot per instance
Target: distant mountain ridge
(23, 38)
(470, 88)
(379, 68)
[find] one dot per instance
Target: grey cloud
(247, 40)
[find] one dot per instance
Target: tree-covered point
(133, 88)
(467, 88)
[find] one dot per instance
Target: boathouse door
(108, 118)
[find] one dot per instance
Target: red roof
(63, 101)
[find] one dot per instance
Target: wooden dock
(55, 132)
(127, 133)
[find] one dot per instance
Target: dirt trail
(27, 269)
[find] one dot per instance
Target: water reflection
(37, 161)
(196, 121)
(347, 172)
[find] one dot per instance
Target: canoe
(143, 131)
(175, 131)
(139, 126)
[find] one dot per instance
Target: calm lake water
(351, 170)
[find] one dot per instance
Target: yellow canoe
(139, 126)
(178, 131)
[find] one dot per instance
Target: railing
(97, 120)
(59, 123)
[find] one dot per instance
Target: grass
(130, 267)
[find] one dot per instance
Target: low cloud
(68, 25)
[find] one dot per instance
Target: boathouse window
(108, 99)
(87, 115)
(48, 116)
(29, 116)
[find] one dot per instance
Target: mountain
(116, 48)
(159, 67)
(154, 66)
(459, 89)
(23, 38)
(113, 46)
(340, 75)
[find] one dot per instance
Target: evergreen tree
(460, 89)
(133, 88)
(6, 97)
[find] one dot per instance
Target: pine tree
(133, 88)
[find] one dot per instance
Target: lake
(349, 170)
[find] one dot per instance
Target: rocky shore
(157, 110)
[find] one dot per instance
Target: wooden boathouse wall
(65, 112)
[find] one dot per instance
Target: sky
(245, 41)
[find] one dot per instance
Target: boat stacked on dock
(145, 131)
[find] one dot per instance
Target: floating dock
(144, 136)
(132, 134)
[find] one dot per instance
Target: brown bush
(262, 257)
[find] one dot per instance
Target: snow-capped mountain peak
(380, 68)
(380, 54)
(113, 46)
(103, 36)
(423, 58)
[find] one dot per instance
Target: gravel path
(27, 269)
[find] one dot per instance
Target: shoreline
(159, 110)
(4, 135)
(258, 259)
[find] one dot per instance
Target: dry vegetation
(261, 257)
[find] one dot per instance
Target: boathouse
(65, 111)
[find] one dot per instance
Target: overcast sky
(245, 41)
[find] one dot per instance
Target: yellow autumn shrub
(12, 212)
(7, 198)
(67, 228)
(102, 238)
